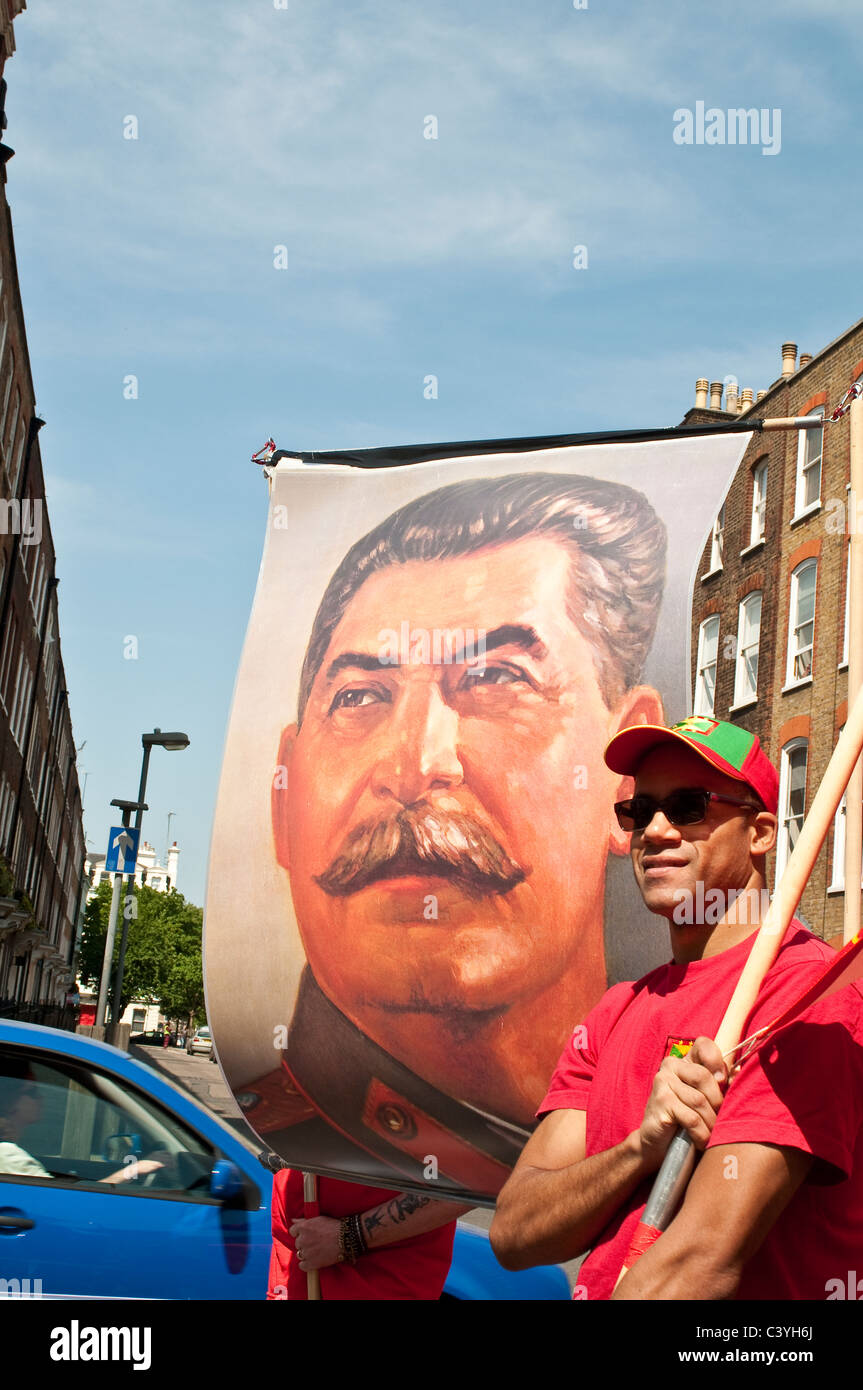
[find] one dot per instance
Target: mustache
(420, 840)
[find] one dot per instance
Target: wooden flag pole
(854, 795)
(671, 1180)
(790, 422)
(310, 1209)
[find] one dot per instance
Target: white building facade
(141, 1015)
(161, 877)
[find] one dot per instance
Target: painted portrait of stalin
(445, 816)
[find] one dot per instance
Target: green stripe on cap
(727, 740)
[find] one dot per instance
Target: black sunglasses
(687, 806)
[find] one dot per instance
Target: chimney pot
(701, 393)
(731, 397)
(805, 359)
(716, 395)
(789, 357)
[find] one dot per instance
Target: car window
(69, 1123)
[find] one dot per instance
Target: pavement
(201, 1077)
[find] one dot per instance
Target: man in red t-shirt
(400, 1246)
(775, 1207)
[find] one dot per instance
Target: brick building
(770, 610)
(41, 827)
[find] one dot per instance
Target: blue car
(114, 1183)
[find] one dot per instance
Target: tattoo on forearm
(398, 1210)
(372, 1221)
(402, 1207)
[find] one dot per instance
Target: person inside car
(21, 1106)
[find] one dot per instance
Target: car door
(105, 1193)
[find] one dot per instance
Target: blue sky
(304, 127)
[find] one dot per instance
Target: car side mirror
(226, 1180)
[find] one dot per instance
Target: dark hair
(615, 538)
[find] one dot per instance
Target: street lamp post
(174, 742)
(127, 807)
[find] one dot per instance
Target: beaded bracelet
(351, 1241)
(343, 1254)
(352, 1238)
(357, 1223)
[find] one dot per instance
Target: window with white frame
(21, 698)
(39, 784)
(64, 857)
(717, 541)
(4, 321)
(840, 821)
(64, 748)
(4, 326)
(30, 873)
(792, 799)
(43, 900)
(50, 656)
(748, 638)
(757, 525)
(19, 458)
(7, 393)
(54, 824)
(36, 751)
(38, 584)
(16, 410)
(705, 681)
(809, 448)
(7, 802)
(19, 849)
(801, 623)
(6, 661)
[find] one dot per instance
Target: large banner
(417, 883)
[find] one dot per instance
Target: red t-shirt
(803, 1089)
(415, 1268)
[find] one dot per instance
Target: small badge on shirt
(677, 1047)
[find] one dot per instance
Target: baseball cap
(728, 748)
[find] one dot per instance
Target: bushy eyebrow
(362, 660)
(519, 635)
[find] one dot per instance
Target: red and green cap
(728, 748)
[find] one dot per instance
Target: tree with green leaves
(163, 951)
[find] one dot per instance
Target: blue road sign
(122, 850)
